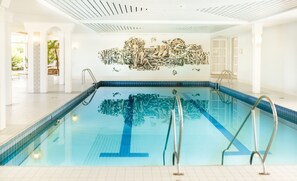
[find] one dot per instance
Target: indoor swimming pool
(127, 126)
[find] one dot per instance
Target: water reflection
(139, 106)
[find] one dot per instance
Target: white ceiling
(176, 16)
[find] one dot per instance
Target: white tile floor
(279, 98)
(39, 105)
(205, 173)
(28, 108)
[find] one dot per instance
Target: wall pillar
(8, 71)
(31, 62)
(62, 59)
(68, 73)
(43, 63)
(257, 30)
(5, 66)
(3, 57)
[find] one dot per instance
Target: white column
(62, 59)
(3, 66)
(31, 62)
(43, 63)
(68, 74)
(8, 79)
(257, 42)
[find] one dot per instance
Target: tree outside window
(53, 55)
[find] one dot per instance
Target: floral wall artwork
(170, 53)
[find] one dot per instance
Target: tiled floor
(285, 100)
(39, 105)
(204, 173)
(28, 108)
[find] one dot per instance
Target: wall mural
(170, 54)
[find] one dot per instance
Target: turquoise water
(128, 126)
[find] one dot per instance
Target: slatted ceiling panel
(110, 28)
(114, 6)
(68, 11)
(81, 6)
(93, 9)
(239, 11)
(71, 8)
(203, 28)
(126, 9)
(109, 8)
(100, 8)
(251, 10)
(95, 28)
(121, 8)
(104, 8)
(115, 28)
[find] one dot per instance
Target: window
(234, 55)
(224, 55)
(218, 55)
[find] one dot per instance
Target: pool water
(123, 126)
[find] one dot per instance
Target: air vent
(253, 10)
(92, 9)
(110, 28)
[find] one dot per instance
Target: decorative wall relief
(196, 69)
(171, 53)
(115, 70)
(174, 72)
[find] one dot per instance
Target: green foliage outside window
(53, 52)
(17, 59)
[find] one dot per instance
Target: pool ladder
(256, 152)
(172, 123)
(222, 96)
(223, 74)
(83, 75)
(85, 102)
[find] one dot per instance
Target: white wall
(85, 55)
(245, 57)
(279, 56)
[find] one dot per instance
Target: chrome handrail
(275, 119)
(172, 123)
(220, 94)
(83, 77)
(167, 136)
(85, 103)
(223, 73)
(177, 151)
